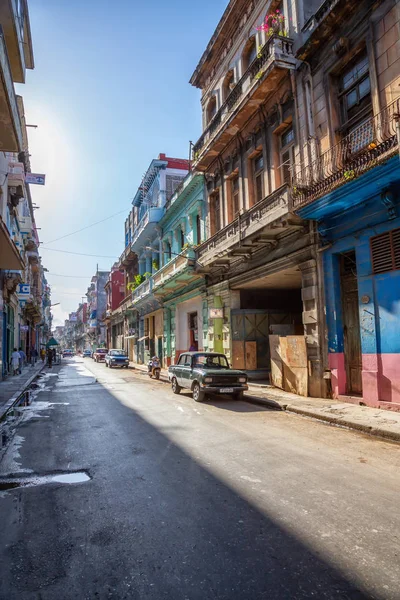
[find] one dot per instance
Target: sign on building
(216, 313)
(37, 178)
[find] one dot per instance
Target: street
(219, 500)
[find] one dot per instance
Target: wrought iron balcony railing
(368, 145)
(257, 217)
(277, 48)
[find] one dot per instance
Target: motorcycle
(154, 367)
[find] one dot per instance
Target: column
(142, 266)
(148, 262)
(313, 327)
(155, 260)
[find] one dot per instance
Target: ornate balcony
(146, 227)
(10, 124)
(256, 228)
(142, 291)
(176, 274)
(367, 146)
(262, 77)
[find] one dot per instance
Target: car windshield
(101, 351)
(117, 353)
(211, 361)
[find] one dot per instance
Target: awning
(93, 314)
(10, 258)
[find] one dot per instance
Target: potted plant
(273, 23)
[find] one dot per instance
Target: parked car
(206, 373)
(67, 353)
(116, 358)
(87, 353)
(99, 354)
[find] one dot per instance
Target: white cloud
(59, 315)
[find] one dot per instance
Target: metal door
(351, 324)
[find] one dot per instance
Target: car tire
(106, 365)
(239, 395)
(198, 394)
(176, 388)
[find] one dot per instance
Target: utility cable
(80, 253)
(87, 227)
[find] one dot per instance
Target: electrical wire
(73, 276)
(87, 227)
(79, 253)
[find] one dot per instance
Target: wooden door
(351, 324)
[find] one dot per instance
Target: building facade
(96, 307)
(348, 183)
(25, 317)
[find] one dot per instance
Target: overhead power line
(87, 226)
(79, 253)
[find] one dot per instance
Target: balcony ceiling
(10, 258)
(289, 279)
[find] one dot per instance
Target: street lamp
(56, 304)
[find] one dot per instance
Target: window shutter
(385, 251)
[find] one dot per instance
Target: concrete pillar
(313, 327)
(148, 263)
(142, 266)
(218, 327)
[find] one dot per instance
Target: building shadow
(153, 523)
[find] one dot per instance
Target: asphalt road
(219, 500)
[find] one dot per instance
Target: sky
(109, 92)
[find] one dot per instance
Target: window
(287, 154)
(182, 359)
(258, 168)
(385, 251)
(228, 84)
(172, 182)
(249, 53)
(181, 238)
(198, 229)
(211, 109)
(235, 197)
(215, 206)
(211, 361)
(355, 90)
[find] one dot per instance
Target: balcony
(10, 124)
(146, 228)
(367, 146)
(262, 77)
(142, 291)
(251, 231)
(16, 174)
(176, 274)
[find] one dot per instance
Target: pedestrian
(34, 355)
(49, 357)
(43, 354)
(22, 359)
(15, 360)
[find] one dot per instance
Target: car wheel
(239, 395)
(198, 394)
(176, 388)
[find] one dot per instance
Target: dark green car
(206, 373)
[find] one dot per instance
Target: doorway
(193, 332)
(351, 323)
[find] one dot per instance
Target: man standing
(15, 360)
(49, 357)
(22, 359)
(34, 355)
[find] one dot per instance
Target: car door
(177, 368)
(186, 370)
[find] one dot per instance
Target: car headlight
(207, 379)
(242, 379)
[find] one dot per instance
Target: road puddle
(10, 483)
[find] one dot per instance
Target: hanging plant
(155, 265)
(273, 23)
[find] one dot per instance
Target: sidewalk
(373, 421)
(13, 386)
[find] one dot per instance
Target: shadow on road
(153, 523)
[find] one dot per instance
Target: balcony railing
(370, 144)
(277, 48)
(152, 215)
(142, 290)
(252, 221)
(172, 268)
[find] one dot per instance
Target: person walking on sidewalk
(43, 354)
(22, 359)
(34, 356)
(49, 357)
(15, 360)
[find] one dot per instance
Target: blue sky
(109, 92)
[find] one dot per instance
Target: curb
(275, 405)
(14, 399)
